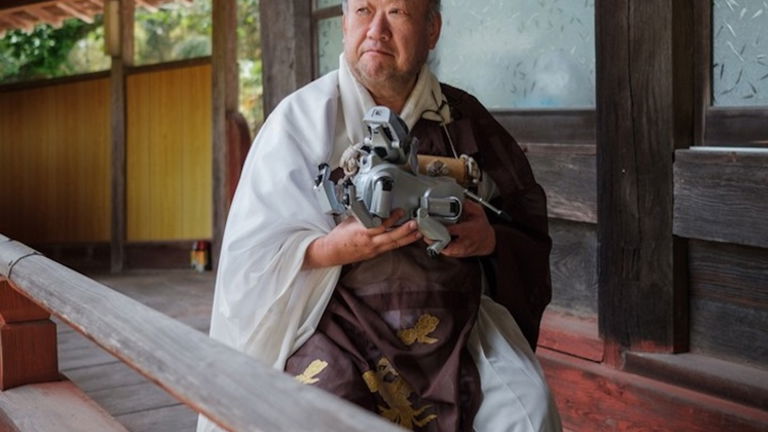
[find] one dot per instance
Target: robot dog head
(388, 136)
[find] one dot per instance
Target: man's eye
(362, 11)
(396, 11)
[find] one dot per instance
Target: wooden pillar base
(27, 341)
(28, 353)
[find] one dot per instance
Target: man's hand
(351, 242)
(473, 235)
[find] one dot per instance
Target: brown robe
(393, 337)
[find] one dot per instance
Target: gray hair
(434, 8)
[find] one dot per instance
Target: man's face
(387, 41)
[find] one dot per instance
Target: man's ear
(434, 29)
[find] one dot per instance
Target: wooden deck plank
(102, 377)
(73, 341)
(129, 399)
(83, 357)
(184, 295)
(177, 418)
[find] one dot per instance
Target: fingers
(398, 237)
(473, 236)
(454, 250)
(389, 222)
(461, 247)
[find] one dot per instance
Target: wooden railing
(229, 387)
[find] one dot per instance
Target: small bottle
(200, 256)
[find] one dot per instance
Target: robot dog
(382, 174)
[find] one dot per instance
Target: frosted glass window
(740, 52)
(519, 53)
(329, 44)
(319, 4)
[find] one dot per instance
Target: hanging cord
(437, 111)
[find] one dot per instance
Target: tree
(43, 52)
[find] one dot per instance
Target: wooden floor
(135, 402)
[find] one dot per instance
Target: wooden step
(53, 406)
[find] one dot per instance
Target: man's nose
(379, 27)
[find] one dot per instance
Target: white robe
(267, 306)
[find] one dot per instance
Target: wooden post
(644, 112)
(119, 110)
(27, 341)
(225, 105)
(286, 48)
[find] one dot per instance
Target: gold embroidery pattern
(395, 392)
(314, 368)
(420, 332)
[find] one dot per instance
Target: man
(364, 313)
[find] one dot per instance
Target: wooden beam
(39, 10)
(18, 23)
(75, 11)
(27, 341)
(119, 109)
(286, 42)
(225, 103)
(720, 195)
(643, 114)
(27, 16)
(47, 16)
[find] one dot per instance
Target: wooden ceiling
(26, 14)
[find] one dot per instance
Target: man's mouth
(378, 52)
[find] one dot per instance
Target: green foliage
(173, 32)
(88, 53)
(42, 53)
